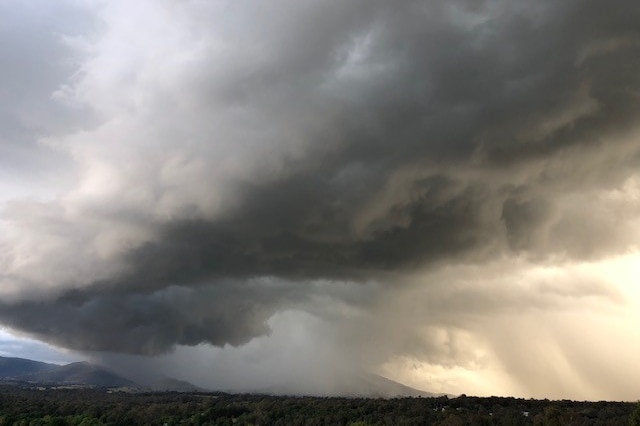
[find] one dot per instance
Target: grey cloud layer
(347, 141)
(35, 61)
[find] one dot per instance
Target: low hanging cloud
(225, 163)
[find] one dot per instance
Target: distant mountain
(12, 367)
(169, 384)
(80, 373)
(377, 386)
(363, 385)
(84, 373)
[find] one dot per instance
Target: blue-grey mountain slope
(13, 367)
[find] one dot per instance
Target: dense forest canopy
(87, 407)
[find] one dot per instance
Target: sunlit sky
(287, 194)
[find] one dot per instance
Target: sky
(257, 194)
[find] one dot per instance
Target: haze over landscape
(290, 194)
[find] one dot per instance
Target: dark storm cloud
(149, 323)
(295, 229)
(395, 136)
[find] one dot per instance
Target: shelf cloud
(452, 174)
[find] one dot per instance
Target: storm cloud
(223, 164)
